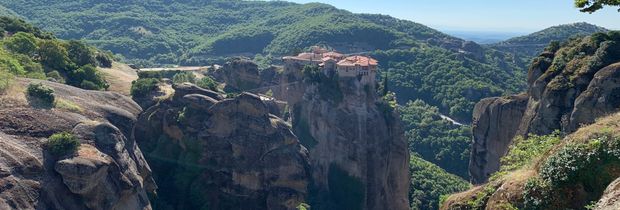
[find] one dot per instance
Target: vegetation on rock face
(525, 151)
(63, 143)
(207, 83)
(329, 87)
(184, 77)
(429, 182)
(586, 167)
(437, 140)
(143, 86)
(41, 94)
(582, 57)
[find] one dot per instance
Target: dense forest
(191, 32)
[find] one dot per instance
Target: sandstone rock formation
(568, 88)
(496, 121)
(611, 197)
(357, 150)
(239, 75)
(108, 171)
(209, 152)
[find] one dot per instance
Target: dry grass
(67, 105)
(167, 91)
(13, 96)
(120, 77)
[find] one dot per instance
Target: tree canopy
(591, 6)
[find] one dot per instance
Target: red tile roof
(358, 61)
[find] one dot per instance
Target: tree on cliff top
(591, 6)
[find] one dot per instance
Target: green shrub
(575, 163)
(41, 93)
(480, 201)
(104, 59)
(207, 83)
(142, 87)
(21, 42)
(80, 54)
(88, 85)
(589, 166)
(184, 77)
(525, 150)
(11, 64)
(64, 143)
(537, 194)
(88, 73)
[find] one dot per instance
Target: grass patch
(67, 105)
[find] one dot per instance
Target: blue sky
(481, 15)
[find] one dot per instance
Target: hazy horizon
(516, 17)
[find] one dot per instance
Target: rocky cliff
(569, 86)
(357, 150)
(107, 172)
(244, 75)
(216, 153)
(579, 172)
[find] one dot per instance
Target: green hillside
(191, 32)
(27, 51)
(529, 46)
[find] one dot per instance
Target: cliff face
(568, 87)
(358, 153)
(496, 121)
(107, 172)
(215, 153)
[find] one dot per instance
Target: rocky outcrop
(358, 153)
(568, 88)
(580, 171)
(239, 75)
(611, 197)
(496, 121)
(222, 153)
(107, 172)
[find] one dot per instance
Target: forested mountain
(160, 31)
(529, 46)
(458, 73)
